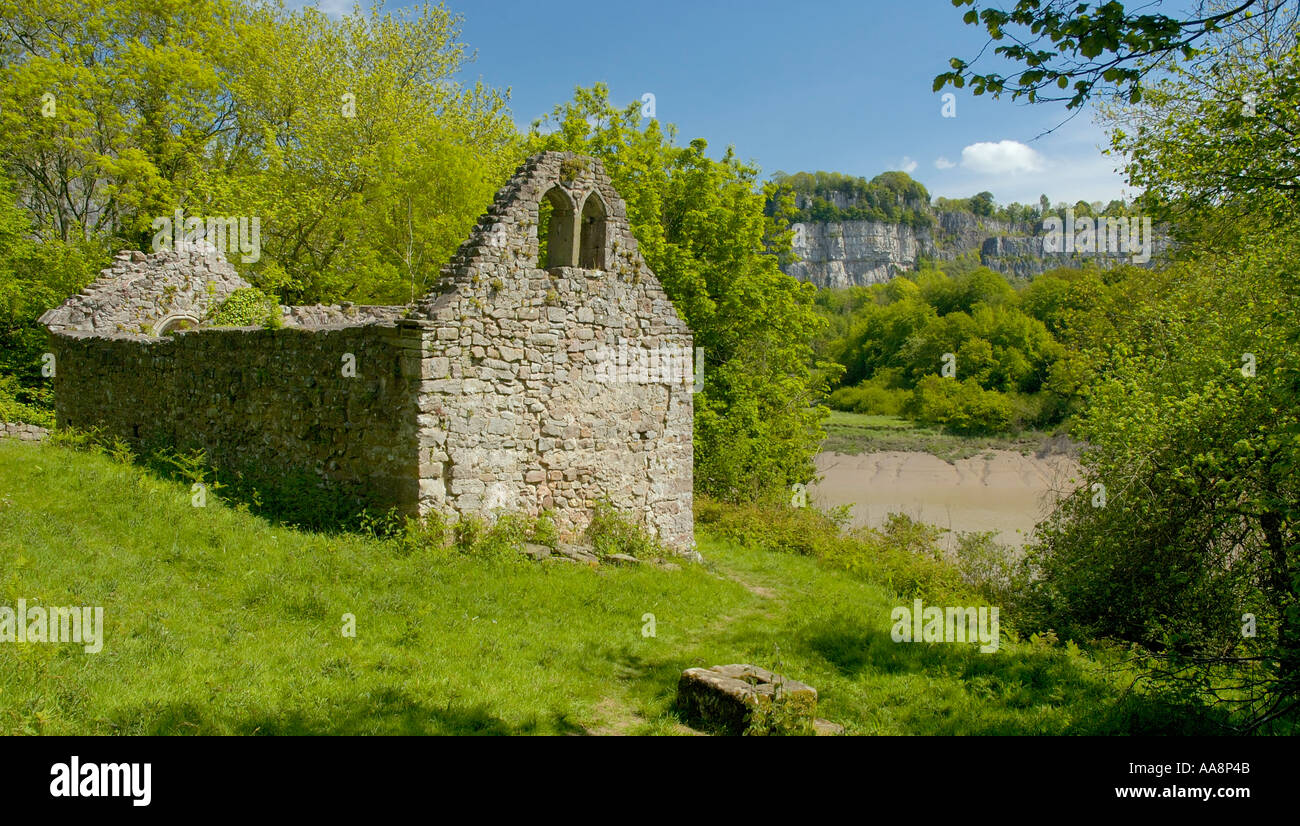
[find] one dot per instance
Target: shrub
(427, 533)
(248, 307)
(804, 531)
(870, 397)
(504, 539)
(904, 556)
(468, 533)
(24, 405)
(961, 407)
(543, 530)
(987, 566)
(610, 533)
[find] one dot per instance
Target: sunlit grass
(218, 622)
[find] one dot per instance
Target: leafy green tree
(891, 197)
(1216, 139)
(961, 406)
(363, 161)
(982, 203)
(1083, 48)
(34, 276)
(1189, 515)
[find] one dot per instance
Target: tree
(1218, 137)
(1064, 42)
(982, 203)
(1194, 447)
(34, 276)
(364, 163)
(1188, 521)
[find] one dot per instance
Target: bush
(870, 397)
(427, 533)
(248, 307)
(543, 530)
(988, 567)
(961, 407)
(21, 405)
(610, 533)
(904, 557)
(503, 539)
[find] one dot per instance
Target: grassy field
(856, 433)
(217, 622)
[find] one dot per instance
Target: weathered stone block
(727, 697)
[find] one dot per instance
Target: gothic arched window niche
(555, 230)
(591, 248)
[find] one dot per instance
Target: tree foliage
(1216, 139)
(896, 336)
(1069, 51)
(1194, 445)
(890, 197)
(347, 139)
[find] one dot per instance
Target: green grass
(218, 622)
(855, 433)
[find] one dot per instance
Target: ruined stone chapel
(494, 393)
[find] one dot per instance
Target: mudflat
(998, 490)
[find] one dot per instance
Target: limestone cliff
(860, 253)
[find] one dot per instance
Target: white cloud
(1001, 158)
(1070, 168)
(943, 163)
(908, 165)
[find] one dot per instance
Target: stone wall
(321, 315)
(23, 432)
(267, 401)
(515, 414)
(146, 294)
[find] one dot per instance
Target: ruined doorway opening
(175, 323)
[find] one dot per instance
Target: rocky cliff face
(856, 252)
(860, 253)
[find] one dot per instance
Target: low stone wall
(23, 432)
(323, 315)
(338, 403)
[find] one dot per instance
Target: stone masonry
(517, 385)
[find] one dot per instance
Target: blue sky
(838, 85)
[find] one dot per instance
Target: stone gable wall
(513, 414)
(140, 293)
